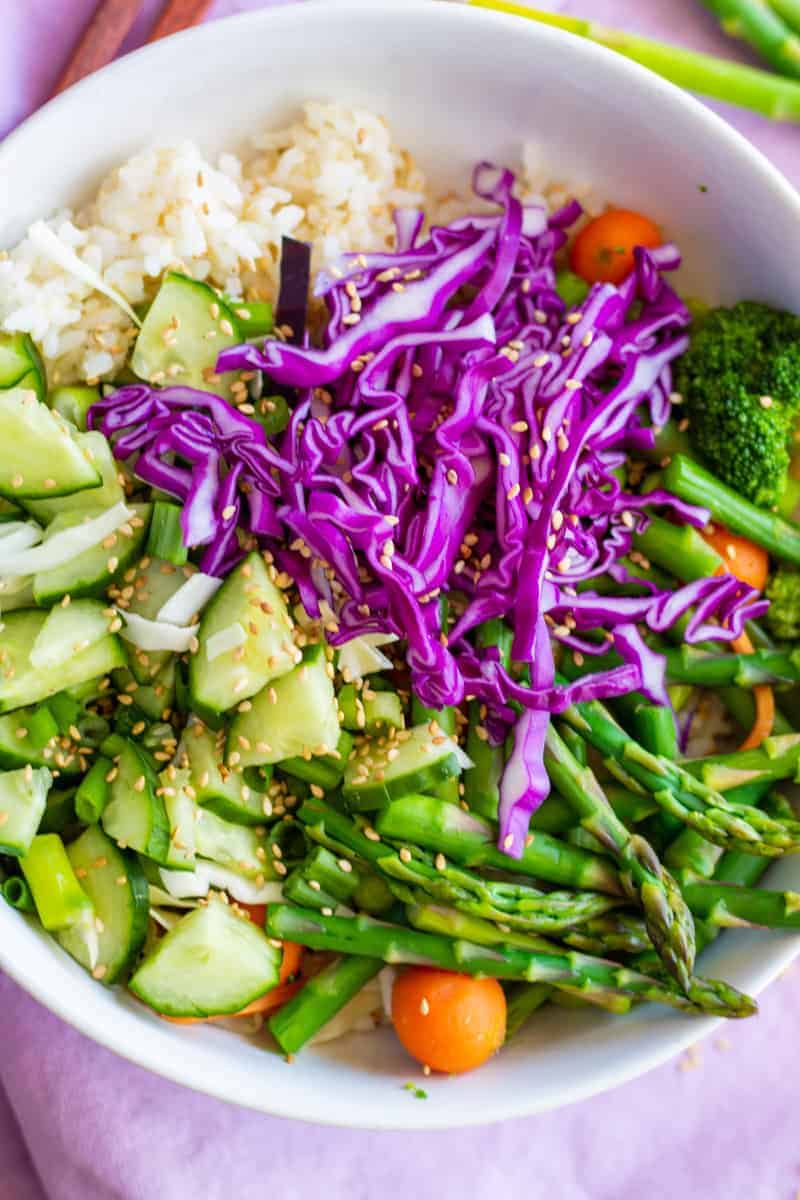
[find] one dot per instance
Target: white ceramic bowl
(457, 85)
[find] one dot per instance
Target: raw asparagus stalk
(414, 879)
(615, 933)
(762, 91)
(319, 1000)
(687, 479)
(523, 1000)
(725, 904)
(445, 828)
(738, 827)
(482, 781)
(754, 22)
(561, 968)
(437, 919)
(778, 758)
(687, 664)
(668, 920)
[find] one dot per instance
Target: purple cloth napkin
(78, 1123)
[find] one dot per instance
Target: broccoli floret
(783, 593)
(740, 380)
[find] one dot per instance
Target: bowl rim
(150, 1053)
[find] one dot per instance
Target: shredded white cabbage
(226, 639)
(156, 635)
(189, 599)
(63, 546)
(50, 246)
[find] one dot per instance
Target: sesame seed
(508, 841)
(541, 360)
(228, 511)
(351, 318)
(326, 910)
(440, 862)
(226, 327)
(513, 492)
(405, 855)
(100, 971)
(4, 817)
(424, 1006)
(504, 459)
(766, 401)
(519, 427)
(17, 481)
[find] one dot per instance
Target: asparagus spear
(482, 781)
(668, 920)
(689, 664)
(522, 1001)
(415, 879)
(754, 22)
(778, 758)
(433, 918)
(435, 825)
(718, 78)
(562, 968)
(688, 480)
(789, 10)
(614, 933)
(679, 793)
(320, 999)
(725, 904)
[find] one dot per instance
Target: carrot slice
(742, 558)
(764, 699)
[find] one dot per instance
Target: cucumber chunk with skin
(19, 359)
(216, 786)
(415, 761)
(375, 713)
(181, 813)
(21, 683)
(250, 598)
(186, 328)
(108, 492)
(237, 847)
(66, 631)
(74, 403)
(92, 571)
(23, 797)
(155, 582)
(116, 885)
(211, 963)
(39, 453)
(25, 735)
(135, 816)
(294, 716)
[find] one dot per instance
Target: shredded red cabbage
(457, 431)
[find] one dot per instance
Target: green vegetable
(694, 483)
(60, 900)
(552, 964)
(669, 921)
(325, 994)
(740, 380)
(783, 593)
(762, 27)
(718, 78)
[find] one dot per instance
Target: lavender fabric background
(77, 1123)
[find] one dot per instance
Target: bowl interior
(457, 85)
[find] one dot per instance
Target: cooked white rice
(332, 178)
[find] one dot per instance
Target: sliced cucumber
(23, 796)
(107, 493)
(239, 847)
(91, 572)
(295, 716)
(39, 456)
(116, 886)
(215, 785)
(212, 962)
(181, 814)
(135, 815)
(59, 812)
(74, 403)
(19, 359)
(247, 597)
(16, 592)
(21, 683)
(66, 631)
(186, 327)
(154, 697)
(155, 582)
(25, 735)
(374, 713)
(414, 761)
